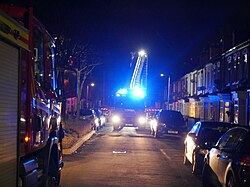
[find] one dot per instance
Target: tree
(77, 57)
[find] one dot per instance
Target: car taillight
(245, 160)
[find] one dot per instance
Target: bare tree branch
(79, 58)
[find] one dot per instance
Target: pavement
(80, 141)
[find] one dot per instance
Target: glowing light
(22, 119)
(138, 93)
(122, 91)
(142, 120)
(116, 119)
(142, 53)
(26, 139)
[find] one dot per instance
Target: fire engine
(30, 152)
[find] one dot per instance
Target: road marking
(119, 152)
(165, 154)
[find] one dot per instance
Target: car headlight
(141, 120)
(97, 121)
(116, 119)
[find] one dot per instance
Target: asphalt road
(129, 157)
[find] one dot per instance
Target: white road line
(119, 152)
(165, 154)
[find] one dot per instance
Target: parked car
(168, 122)
(228, 162)
(106, 112)
(101, 117)
(90, 114)
(200, 139)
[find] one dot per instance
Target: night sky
(171, 32)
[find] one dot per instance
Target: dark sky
(170, 31)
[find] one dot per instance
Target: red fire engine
(30, 152)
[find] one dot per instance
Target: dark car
(228, 162)
(200, 139)
(127, 117)
(168, 122)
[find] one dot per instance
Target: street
(128, 157)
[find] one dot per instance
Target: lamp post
(87, 93)
(168, 89)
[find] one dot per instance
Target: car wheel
(230, 181)
(194, 164)
(206, 176)
(185, 156)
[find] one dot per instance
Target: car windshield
(129, 113)
(171, 116)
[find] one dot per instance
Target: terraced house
(217, 91)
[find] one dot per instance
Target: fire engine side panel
(9, 57)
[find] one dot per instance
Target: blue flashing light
(138, 93)
(122, 92)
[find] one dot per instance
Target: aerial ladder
(139, 76)
(134, 95)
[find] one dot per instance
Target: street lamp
(168, 89)
(87, 94)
